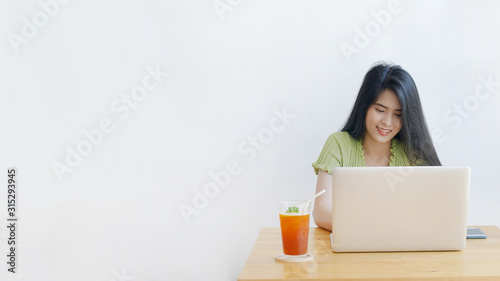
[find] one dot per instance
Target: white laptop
(378, 209)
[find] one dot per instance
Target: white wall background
(116, 215)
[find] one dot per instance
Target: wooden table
(479, 261)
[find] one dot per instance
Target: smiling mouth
(383, 132)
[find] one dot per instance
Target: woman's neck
(376, 151)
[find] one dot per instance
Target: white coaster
(286, 258)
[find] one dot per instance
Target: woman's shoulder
(341, 141)
(340, 150)
(342, 138)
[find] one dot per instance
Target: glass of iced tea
(294, 221)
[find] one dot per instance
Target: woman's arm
(322, 212)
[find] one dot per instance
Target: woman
(386, 128)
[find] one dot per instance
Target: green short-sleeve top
(342, 150)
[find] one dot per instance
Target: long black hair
(414, 133)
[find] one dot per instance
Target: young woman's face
(383, 118)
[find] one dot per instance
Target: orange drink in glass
(294, 221)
